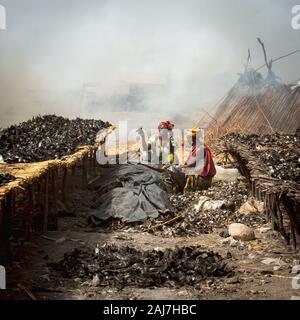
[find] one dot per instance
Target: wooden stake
(46, 201)
(84, 172)
(6, 229)
(54, 195)
(64, 190)
(73, 179)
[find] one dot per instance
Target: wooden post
(2, 239)
(54, 196)
(64, 190)
(30, 211)
(94, 162)
(13, 203)
(84, 172)
(6, 229)
(46, 201)
(72, 179)
(90, 163)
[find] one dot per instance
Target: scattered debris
(276, 262)
(233, 243)
(47, 137)
(61, 240)
(205, 203)
(194, 221)
(27, 291)
(240, 231)
(224, 234)
(252, 206)
(264, 229)
(96, 280)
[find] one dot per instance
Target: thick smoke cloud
(56, 54)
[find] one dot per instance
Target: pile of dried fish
(47, 137)
(279, 152)
(124, 266)
(187, 221)
(6, 178)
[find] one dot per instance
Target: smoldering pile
(188, 221)
(6, 178)
(124, 266)
(279, 152)
(47, 137)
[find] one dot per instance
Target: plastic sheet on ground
(131, 193)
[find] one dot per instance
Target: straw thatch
(259, 106)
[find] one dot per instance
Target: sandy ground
(31, 278)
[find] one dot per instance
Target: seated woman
(198, 170)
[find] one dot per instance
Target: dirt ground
(254, 278)
(255, 275)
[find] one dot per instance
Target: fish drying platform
(281, 197)
(30, 200)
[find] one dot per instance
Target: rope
(279, 58)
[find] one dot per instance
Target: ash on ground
(123, 266)
(47, 137)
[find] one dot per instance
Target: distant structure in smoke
(138, 96)
(131, 97)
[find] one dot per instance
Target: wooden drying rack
(45, 182)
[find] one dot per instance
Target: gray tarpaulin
(132, 192)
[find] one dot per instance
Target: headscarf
(166, 125)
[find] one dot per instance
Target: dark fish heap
(47, 137)
(6, 178)
(279, 152)
(125, 266)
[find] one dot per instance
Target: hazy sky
(52, 47)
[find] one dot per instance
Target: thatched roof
(260, 105)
